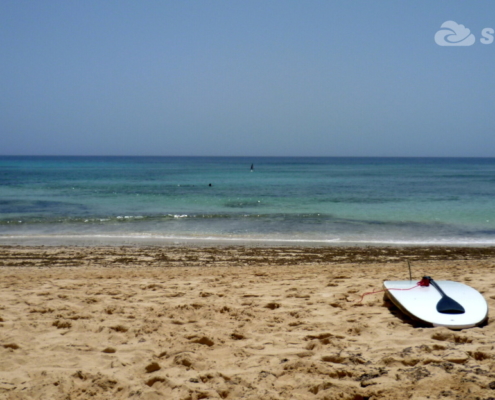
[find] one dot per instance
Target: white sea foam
(143, 238)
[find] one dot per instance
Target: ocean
(241, 200)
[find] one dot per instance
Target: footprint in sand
(12, 346)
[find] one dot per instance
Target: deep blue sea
(347, 201)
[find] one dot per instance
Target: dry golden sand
(234, 323)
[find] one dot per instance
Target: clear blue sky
(287, 78)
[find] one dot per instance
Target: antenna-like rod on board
(409, 265)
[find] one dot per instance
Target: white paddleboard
(421, 303)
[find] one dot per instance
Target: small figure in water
(252, 167)
(209, 185)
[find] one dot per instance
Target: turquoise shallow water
(292, 200)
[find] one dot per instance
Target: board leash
(425, 281)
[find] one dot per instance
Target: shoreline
(149, 240)
(183, 322)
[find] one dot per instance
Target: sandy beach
(234, 323)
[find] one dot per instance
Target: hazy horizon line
(228, 156)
